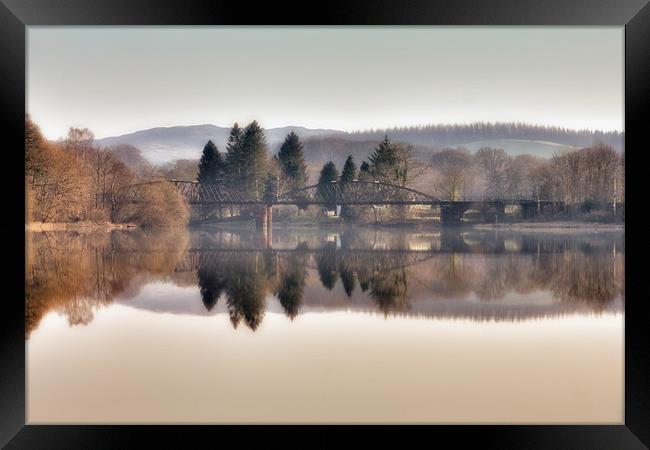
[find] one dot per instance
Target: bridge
(357, 192)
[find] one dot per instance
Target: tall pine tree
(383, 160)
(328, 176)
(254, 160)
(349, 172)
(233, 155)
(211, 165)
(292, 162)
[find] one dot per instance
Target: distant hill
(457, 134)
(164, 144)
(161, 145)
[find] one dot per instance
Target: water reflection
(451, 273)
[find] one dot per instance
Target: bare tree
(408, 168)
(493, 164)
(453, 172)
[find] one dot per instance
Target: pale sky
(116, 80)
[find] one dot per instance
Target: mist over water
(333, 325)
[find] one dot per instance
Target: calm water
(325, 326)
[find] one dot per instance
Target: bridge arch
(359, 192)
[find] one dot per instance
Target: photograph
(324, 225)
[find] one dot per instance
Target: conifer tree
(328, 176)
(211, 165)
(364, 171)
(383, 160)
(292, 162)
(254, 160)
(349, 172)
(233, 155)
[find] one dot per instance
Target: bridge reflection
(475, 275)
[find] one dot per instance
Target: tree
(383, 160)
(254, 160)
(493, 164)
(161, 206)
(211, 165)
(407, 167)
(349, 171)
(34, 144)
(364, 170)
(292, 163)
(54, 178)
(454, 172)
(519, 181)
(233, 155)
(132, 157)
(275, 184)
(79, 141)
(181, 169)
(108, 172)
(328, 176)
(348, 174)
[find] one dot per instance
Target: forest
(74, 180)
(452, 134)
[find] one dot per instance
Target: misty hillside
(452, 135)
(162, 145)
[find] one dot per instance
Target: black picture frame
(16, 15)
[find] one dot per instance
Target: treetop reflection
(451, 273)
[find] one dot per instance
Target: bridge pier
(264, 222)
(452, 214)
(530, 210)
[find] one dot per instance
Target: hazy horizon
(119, 80)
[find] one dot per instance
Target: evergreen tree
(383, 160)
(349, 172)
(254, 160)
(211, 165)
(364, 171)
(270, 188)
(328, 176)
(292, 162)
(233, 155)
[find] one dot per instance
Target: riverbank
(78, 226)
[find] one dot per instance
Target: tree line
(589, 176)
(453, 134)
(73, 180)
(247, 166)
(593, 174)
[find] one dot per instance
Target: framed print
(366, 213)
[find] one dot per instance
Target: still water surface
(361, 326)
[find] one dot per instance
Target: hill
(165, 144)
(162, 145)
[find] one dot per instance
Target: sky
(117, 80)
